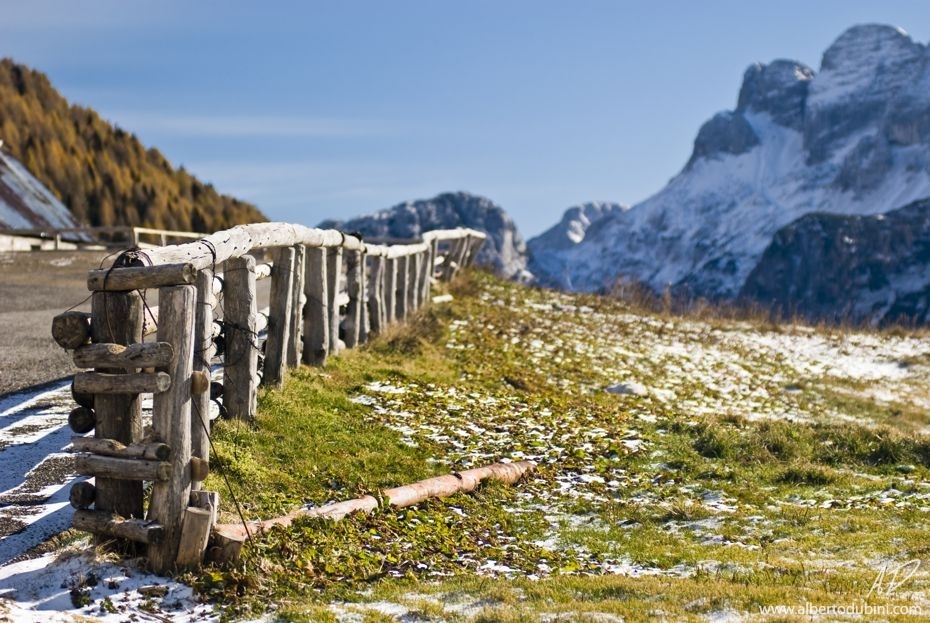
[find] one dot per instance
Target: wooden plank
(110, 447)
(151, 355)
(117, 319)
(171, 420)
(140, 277)
(71, 329)
(121, 469)
(316, 311)
(105, 383)
(241, 369)
(109, 524)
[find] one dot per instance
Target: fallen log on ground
(228, 538)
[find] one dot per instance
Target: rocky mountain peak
(869, 70)
(504, 250)
(778, 88)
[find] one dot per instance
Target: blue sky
(317, 110)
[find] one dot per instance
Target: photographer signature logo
(891, 578)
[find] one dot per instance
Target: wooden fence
(328, 290)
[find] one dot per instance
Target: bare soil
(34, 288)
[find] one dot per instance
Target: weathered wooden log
(85, 400)
(195, 533)
(210, 502)
(204, 351)
(152, 355)
(298, 300)
(171, 416)
(200, 469)
(223, 548)
(355, 280)
(140, 277)
(400, 497)
(376, 295)
(282, 299)
(106, 383)
(117, 319)
(82, 420)
(121, 469)
(241, 312)
(333, 289)
(71, 329)
(110, 447)
(109, 524)
(200, 383)
(82, 494)
(316, 311)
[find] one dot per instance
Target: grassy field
(688, 469)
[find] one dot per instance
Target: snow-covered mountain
(504, 250)
(547, 259)
(25, 203)
(852, 139)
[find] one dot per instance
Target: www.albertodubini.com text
(859, 608)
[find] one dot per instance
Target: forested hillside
(103, 173)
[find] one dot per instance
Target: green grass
(716, 491)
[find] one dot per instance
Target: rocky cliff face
(504, 250)
(852, 139)
(838, 267)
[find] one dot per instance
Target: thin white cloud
(243, 126)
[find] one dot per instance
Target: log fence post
(171, 422)
(316, 311)
(400, 288)
(204, 350)
(414, 262)
(376, 312)
(333, 286)
(282, 291)
(297, 310)
(240, 313)
(355, 281)
(389, 291)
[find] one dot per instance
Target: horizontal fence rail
(328, 290)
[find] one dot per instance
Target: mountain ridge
(849, 139)
(102, 173)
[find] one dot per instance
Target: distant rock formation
(504, 250)
(547, 260)
(830, 267)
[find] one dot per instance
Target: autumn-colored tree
(103, 173)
